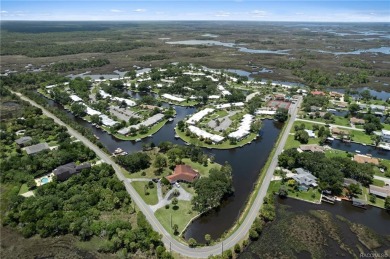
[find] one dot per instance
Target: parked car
(177, 185)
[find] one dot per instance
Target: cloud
(222, 14)
(139, 10)
(116, 11)
(4, 12)
(259, 13)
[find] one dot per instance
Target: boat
(118, 150)
(177, 136)
(170, 119)
(138, 140)
(150, 136)
(328, 199)
(357, 151)
(96, 137)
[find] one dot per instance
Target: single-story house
(310, 133)
(64, 172)
(380, 191)
(356, 121)
(362, 159)
(348, 181)
(23, 141)
(311, 148)
(335, 94)
(385, 136)
(315, 108)
(36, 148)
(317, 93)
(305, 178)
(183, 173)
(338, 131)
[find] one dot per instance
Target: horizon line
(32, 20)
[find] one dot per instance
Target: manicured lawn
(361, 137)
(180, 216)
(338, 120)
(386, 126)
(308, 125)
(303, 195)
(224, 145)
(23, 188)
(335, 153)
(378, 182)
(203, 170)
(150, 198)
(292, 143)
(152, 131)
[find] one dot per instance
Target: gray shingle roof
(36, 148)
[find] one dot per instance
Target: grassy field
(150, 197)
(224, 145)
(152, 131)
(23, 188)
(292, 143)
(378, 182)
(335, 153)
(180, 216)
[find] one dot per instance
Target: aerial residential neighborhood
(172, 129)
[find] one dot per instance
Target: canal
(247, 162)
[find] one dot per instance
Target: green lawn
(361, 137)
(150, 198)
(335, 153)
(292, 143)
(23, 189)
(152, 131)
(386, 126)
(224, 145)
(378, 182)
(203, 170)
(180, 216)
(303, 195)
(338, 120)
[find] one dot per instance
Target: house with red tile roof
(183, 173)
(318, 93)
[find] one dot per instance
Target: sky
(245, 10)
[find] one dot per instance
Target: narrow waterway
(246, 162)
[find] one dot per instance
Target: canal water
(246, 162)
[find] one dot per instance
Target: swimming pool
(44, 180)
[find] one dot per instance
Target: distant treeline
(49, 49)
(70, 66)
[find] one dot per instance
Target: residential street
(169, 241)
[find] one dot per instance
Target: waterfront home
(337, 131)
(64, 172)
(335, 94)
(362, 159)
(385, 137)
(206, 135)
(199, 115)
(147, 123)
(305, 179)
(356, 121)
(380, 191)
(183, 173)
(31, 150)
(244, 128)
(311, 148)
(321, 93)
(173, 98)
(23, 141)
(348, 181)
(315, 108)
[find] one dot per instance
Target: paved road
(332, 125)
(169, 241)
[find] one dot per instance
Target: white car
(177, 185)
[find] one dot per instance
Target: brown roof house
(338, 131)
(356, 121)
(311, 148)
(362, 159)
(183, 173)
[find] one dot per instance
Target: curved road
(169, 241)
